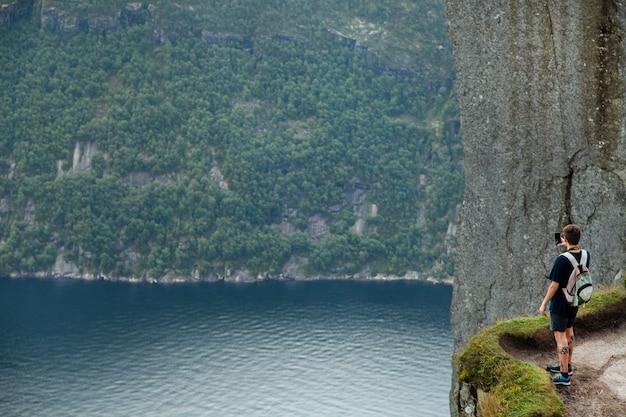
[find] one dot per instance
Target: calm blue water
(323, 348)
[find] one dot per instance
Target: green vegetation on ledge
(510, 387)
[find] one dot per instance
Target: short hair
(571, 232)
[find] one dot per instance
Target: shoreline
(234, 279)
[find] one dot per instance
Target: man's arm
(552, 289)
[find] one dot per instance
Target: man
(562, 315)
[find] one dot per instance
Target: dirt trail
(598, 386)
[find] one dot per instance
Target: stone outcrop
(13, 11)
(541, 93)
(48, 16)
(52, 18)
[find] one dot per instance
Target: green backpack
(579, 285)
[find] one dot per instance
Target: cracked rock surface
(541, 93)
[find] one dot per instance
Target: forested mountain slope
(234, 139)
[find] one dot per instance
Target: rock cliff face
(13, 11)
(541, 92)
(51, 18)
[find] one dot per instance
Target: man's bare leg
(569, 334)
(563, 350)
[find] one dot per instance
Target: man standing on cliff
(562, 315)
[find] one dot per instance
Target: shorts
(559, 323)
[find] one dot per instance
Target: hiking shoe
(556, 369)
(559, 379)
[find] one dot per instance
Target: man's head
(571, 233)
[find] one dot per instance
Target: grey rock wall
(541, 93)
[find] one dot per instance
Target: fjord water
(318, 348)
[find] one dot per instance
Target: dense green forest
(135, 158)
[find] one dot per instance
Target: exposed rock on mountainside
(541, 92)
(48, 16)
(12, 12)
(53, 19)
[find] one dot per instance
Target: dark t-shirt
(560, 273)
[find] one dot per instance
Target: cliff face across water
(209, 141)
(541, 92)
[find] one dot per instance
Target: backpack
(579, 285)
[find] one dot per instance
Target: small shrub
(489, 404)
